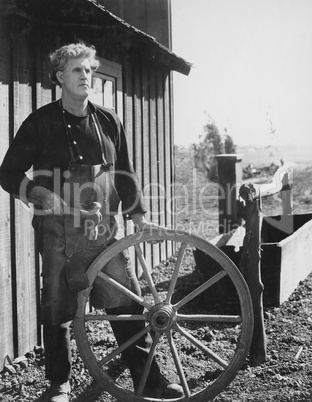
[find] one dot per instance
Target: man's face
(76, 78)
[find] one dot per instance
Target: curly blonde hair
(59, 58)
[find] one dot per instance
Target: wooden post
(250, 265)
(251, 269)
(286, 195)
(230, 174)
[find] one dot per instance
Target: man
(80, 162)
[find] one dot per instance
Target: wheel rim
(165, 317)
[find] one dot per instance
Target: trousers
(63, 277)
(58, 359)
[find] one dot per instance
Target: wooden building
(134, 79)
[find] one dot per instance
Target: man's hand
(50, 202)
(143, 224)
(53, 204)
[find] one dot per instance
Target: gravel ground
(286, 376)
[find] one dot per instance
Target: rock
(9, 368)
(21, 362)
(30, 355)
(41, 361)
(39, 351)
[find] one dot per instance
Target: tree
(229, 146)
(212, 144)
(213, 139)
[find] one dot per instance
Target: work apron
(68, 245)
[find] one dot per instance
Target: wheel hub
(162, 317)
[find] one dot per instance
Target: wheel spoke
(121, 317)
(200, 289)
(124, 290)
(162, 317)
(210, 318)
(202, 347)
(124, 346)
(147, 365)
(147, 273)
(178, 364)
(176, 272)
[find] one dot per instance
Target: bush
(213, 144)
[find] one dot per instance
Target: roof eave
(156, 51)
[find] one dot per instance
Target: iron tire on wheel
(163, 317)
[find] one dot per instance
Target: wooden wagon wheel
(219, 341)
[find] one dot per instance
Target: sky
(252, 70)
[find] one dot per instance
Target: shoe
(59, 392)
(163, 389)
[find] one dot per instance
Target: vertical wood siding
(6, 297)
(169, 158)
(146, 140)
(150, 16)
(22, 234)
(161, 133)
(148, 124)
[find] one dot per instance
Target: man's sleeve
(17, 161)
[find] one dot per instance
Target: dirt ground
(287, 373)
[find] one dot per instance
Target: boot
(59, 392)
(57, 349)
(163, 389)
(136, 355)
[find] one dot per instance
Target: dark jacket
(41, 144)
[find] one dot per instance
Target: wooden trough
(273, 253)
(286, 257)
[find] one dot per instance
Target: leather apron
(68, 244)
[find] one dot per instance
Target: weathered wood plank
(128, 94)
(146, 167)
(154, 162)
(116, 7)
(250, 267)
(169, 158)
(161, 158)
(6, 325)
(43, 86)
(137, 123)
(26, 300)
(135, 13)
(158, 21)
(137, 133)
(296, 251)
(152, 17)
(128, 102)
(275, 185)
